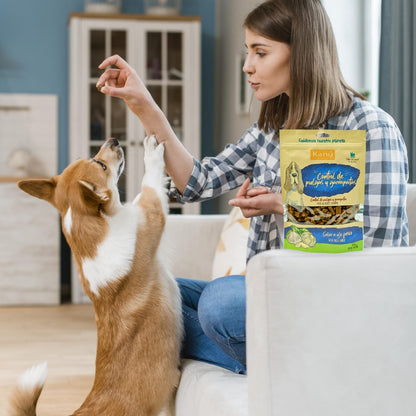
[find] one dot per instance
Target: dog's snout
(113, 142)
(294, 174)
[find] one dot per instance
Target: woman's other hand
(257, 201)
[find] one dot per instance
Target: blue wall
(34, 55)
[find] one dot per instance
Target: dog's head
(293, 180)
(87, 185)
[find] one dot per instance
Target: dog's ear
(287, 179)
(94, 195)
(40, 188)
(300, 184)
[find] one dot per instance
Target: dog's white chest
(115, 254)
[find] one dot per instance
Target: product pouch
(323, 176)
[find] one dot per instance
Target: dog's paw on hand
(153, 154)
(151, 146)
(150, 143)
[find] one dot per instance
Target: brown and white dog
(136, 300)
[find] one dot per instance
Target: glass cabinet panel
(97, 114)
(97, 48)
(174, 64)
(118, 43)
(118, 120)
(154, 55)
(175, 106)
(108, 118)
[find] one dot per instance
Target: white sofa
(326, 334)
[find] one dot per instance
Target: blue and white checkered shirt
(257, 155)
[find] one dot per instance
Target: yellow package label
(323, 178)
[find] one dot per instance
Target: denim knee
(222, 309)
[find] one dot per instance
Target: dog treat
(323, 215)
(323, 174)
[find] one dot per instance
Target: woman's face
(267, 65)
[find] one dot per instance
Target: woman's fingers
(109, 77)
(115, 60)
(243, 189)
(257, 190)
(262, 204)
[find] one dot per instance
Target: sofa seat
(208, 390)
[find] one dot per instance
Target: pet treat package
(323, 173)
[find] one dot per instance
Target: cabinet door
(170, 69)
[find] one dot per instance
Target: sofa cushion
(230, 255)
(208, 390)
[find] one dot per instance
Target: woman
(293, 69)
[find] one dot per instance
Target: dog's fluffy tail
(25, 396)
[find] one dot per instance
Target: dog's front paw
(149, 144)
(154, 163)
(153, 153)
(154, 169)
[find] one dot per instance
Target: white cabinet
(29, 249)
(29, 227)
(166, 54)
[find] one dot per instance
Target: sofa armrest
(332, 333)
(191, 242)
(411, 212)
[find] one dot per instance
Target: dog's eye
(103, 165)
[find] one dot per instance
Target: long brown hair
(318, 90)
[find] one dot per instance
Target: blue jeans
(214, 316)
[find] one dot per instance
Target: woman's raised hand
(121, 80)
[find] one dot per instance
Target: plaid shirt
(257, 155)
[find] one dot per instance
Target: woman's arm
(123, 82)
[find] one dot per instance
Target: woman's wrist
(142, 105)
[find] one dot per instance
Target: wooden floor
(65, 337)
